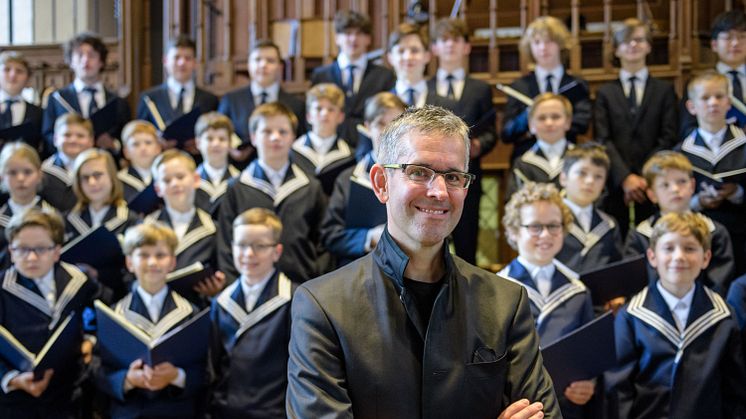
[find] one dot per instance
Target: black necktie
(451, 93)
(548, 86)
(180, 103)
(92, 105)
(6, 119)
(350, 87)
(410, 97)
(263, 97)
(737, 88)
(632, 97)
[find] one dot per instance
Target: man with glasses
(409, 330)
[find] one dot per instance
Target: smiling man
(409, 330)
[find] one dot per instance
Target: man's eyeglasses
(536, 229)
(424, 175)
(255, 247)
(23, 251)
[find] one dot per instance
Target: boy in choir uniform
(593, 239)
(549, 120)
(728, 41)
(213, 132)
(717, 148)
(321, 152)
(536, 221)
(678, 345)
(140, 146)
(274, 182)
(348, 241)
(14, 109)
(359, 78)
(547, 43)
(251, 324)
(38, 293)
(86, 55)
(163, 390)
(73, 134)
(634, 117)
(163, 104)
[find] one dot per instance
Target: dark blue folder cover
(99, 248)
(582, 354)
(181, 129)
(619, 279)
(104, 118)
(146, 201)
(26, 131)
(184, 280)
(364, 210)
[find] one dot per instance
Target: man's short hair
(268, 110)
(172, 154)
(709, 75)
(450, 27)
(664, 160)
(405, 29)
(263, 217)
(138, 126)
(547, 27)
(545, 97)
(528, 194)
(73, 118)
(182, 41)
(263, 44)
(733, 20)
(687, 223)
(149, 233)
(116, 195)
(15, 57)
(212, 120)
(624, 35)
(378, 104)
(328, 91)
(48, 219)
(347, 19)
(592, 151)
(89, 38)
(426, 120)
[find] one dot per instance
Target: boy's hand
(162, 375)
(615, 304)
(106, 141)
(25, 382)
(86, 349)
(523, 409)
(211, 285)
(634, 189)
(579, 392)
(727, 190)
(138, 374)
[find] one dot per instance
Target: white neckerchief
(97, 217)
(276, 177)
(145, 174)
(215, 174)
(322, 145)
(679, 307)
(47, 287)
(251, 292)
(84, 98)
(18, 108)
(66, 161)
(174, 88)
(420, 92)
(459, 75)
(542, 275)
(541, 77)
(180, 221)
(642, 78)
(153, 302)
(584, 215)
(553, 152)
(713, 140)
(343, 61)
(272, 91)
(17, 208)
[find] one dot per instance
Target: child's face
(635, 49)
(86, 63)
(678, 258)
(672, 191)
(273, 138)
(176, 184)
(353, 42)
(255, 251)
(95, 181)
(409, 58)
(73, 139)
(150, 264)
(264, 66)
(141, 149)
(451, 49)
(13, 77)
(214, 145)
(180, 64)
(583, 182)
(710, 103)
(545, 51)
(730, 47)
(376, 127)
(21, 178)
(324, 117)
(539, 249)
(33, 252)
(549, 121)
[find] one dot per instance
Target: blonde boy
(213, 132)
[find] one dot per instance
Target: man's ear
(378, 180)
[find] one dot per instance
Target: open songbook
(184, 279)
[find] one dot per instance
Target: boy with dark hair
(213, 132)
(14, 109)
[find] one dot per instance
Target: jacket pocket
(483, 385)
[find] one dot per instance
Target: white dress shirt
(97, 216)
(322, 145)
(459, 76)
(420, 92)
(584, 215)
(18, 208)
(343, 61)
(542, 276)
(84, 98)
(641, 79)
(276, 177)
(273, 92)
(180, 221)
(215, 174)
(552, 152)
(541, 77)
(679, 307)
(18, 108)
(725, 69)
(174, 88)
(251, 292)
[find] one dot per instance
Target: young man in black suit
(353, 37)
(635, 116)
(14, 109)
(451, 46)
(86, 55)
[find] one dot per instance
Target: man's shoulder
(340, 281)
(480, 279)
(235, 94)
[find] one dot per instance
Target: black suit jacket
(239, 104)
(203, 99)
(32, 115)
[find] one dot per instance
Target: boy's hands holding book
(25, 381)
(141, 375)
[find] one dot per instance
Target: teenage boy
(14, 109)
(86, 55)
(213, 132)
(352, 72)
(140, 146)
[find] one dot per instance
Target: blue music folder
(146, 201)
(99, 248)
(181, 129)
(619, 279)
(104, 118)
(183, 280)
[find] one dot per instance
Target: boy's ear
(252, 139)
(651, 195)
(278, 252)
(378, 180)
(690, 107)
(651, 257)
(707, 259)
(563, 179)
(128, 263)
(197, 180)
(158, 190)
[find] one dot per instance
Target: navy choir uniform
(633, 134)
(718, 274)
(567, 307)
(737, 300)
(65, 100)
(249, 351)
(30, 317)
(57, 184)
(583, 251)
(210, 194)
(300, 204)
(375, 79)
(118, 219)
(155, 105)
(344, 242)
(665, 372)
(132, 182)
(6, 213)
(239, 104)
(325, 167)
(171, 401)
(534, 166)
(21, 112)
(515, 126)
(731, 155)
(475, 107)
